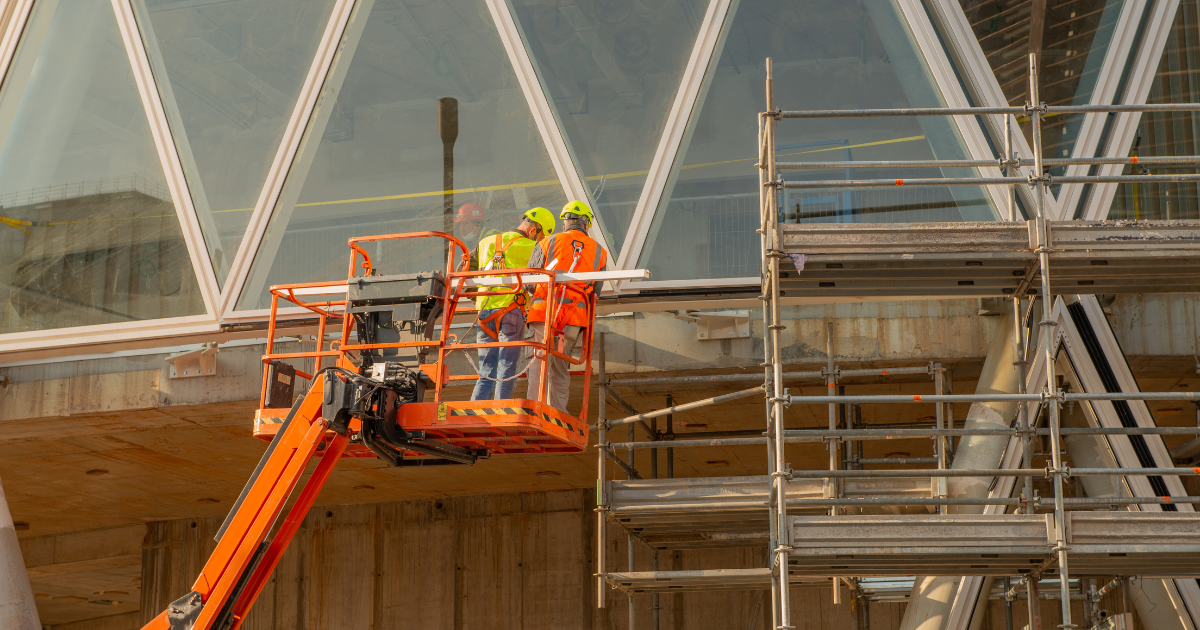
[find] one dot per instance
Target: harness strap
(495, 318)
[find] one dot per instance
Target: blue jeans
(498, 364)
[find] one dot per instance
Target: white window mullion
(557, 146)
(672, 144)
(951, 90)
(1104, 93)
(294, 133)
(168, 155)
(133, 333)
(12, 33)
(981, 81)
(1137, 92)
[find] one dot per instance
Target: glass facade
(1071, 39)
(378, 165)
(229, 74)
(1177, 80)
(611, 71)
(826, 56)
(88, 231)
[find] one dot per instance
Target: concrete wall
(89, 579)
(500, 561)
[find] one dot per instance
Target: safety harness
(556, 304)
(494, 319)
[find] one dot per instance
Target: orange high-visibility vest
(570, 251)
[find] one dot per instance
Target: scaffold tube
(987, 181)
(817, 435)
(977, 111)
(988, 472)
(1121, 161)
(751, 378)
(684, 407)
(973, 398)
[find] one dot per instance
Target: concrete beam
(932, 598)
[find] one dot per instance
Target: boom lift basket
(395, 340)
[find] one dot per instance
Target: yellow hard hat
(542, 217)
(577, 208)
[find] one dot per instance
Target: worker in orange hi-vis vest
(569, 250)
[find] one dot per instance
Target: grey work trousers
(559, 374)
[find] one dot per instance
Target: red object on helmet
(470, 212)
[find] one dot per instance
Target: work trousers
(558, 373)
(498, 366)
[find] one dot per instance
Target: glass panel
(1168, 134)
(611, 69)
(378, 168)
(827, 56)
(230, 75)
(88, 232)
(1071, 39)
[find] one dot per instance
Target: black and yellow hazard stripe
(510, 411)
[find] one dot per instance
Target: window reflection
(1071, 39)
(611, 69)
(88, 232)
(1177, 80)
(378, 167)
(230, 75)
(827, 55)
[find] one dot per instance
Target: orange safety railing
(454, 291)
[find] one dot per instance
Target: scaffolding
(814, 524)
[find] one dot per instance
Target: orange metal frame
(243, 560)
(445, 343)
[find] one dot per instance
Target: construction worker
(502, 317)
(570, 250)
(469, 227)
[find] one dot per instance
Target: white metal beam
(672, 145)
(952, 93)
(984, 88)
(293, 135)
(183, 147)
(12, 32)
(1137, 92)
(1104, 93)
(557, 145)
(193, 236)
(17, 34)
(101, 334)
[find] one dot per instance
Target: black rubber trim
(1124, 412)
(224, 619)
(258, 469)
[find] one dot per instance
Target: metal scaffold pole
(772, 252)
(764, 190)
(602, 475)
(1036, 109)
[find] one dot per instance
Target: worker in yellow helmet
(571, 250)
(502, 317)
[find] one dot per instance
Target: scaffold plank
(727, 511)
(990, 258)
(1101, 543)
(700, 580)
